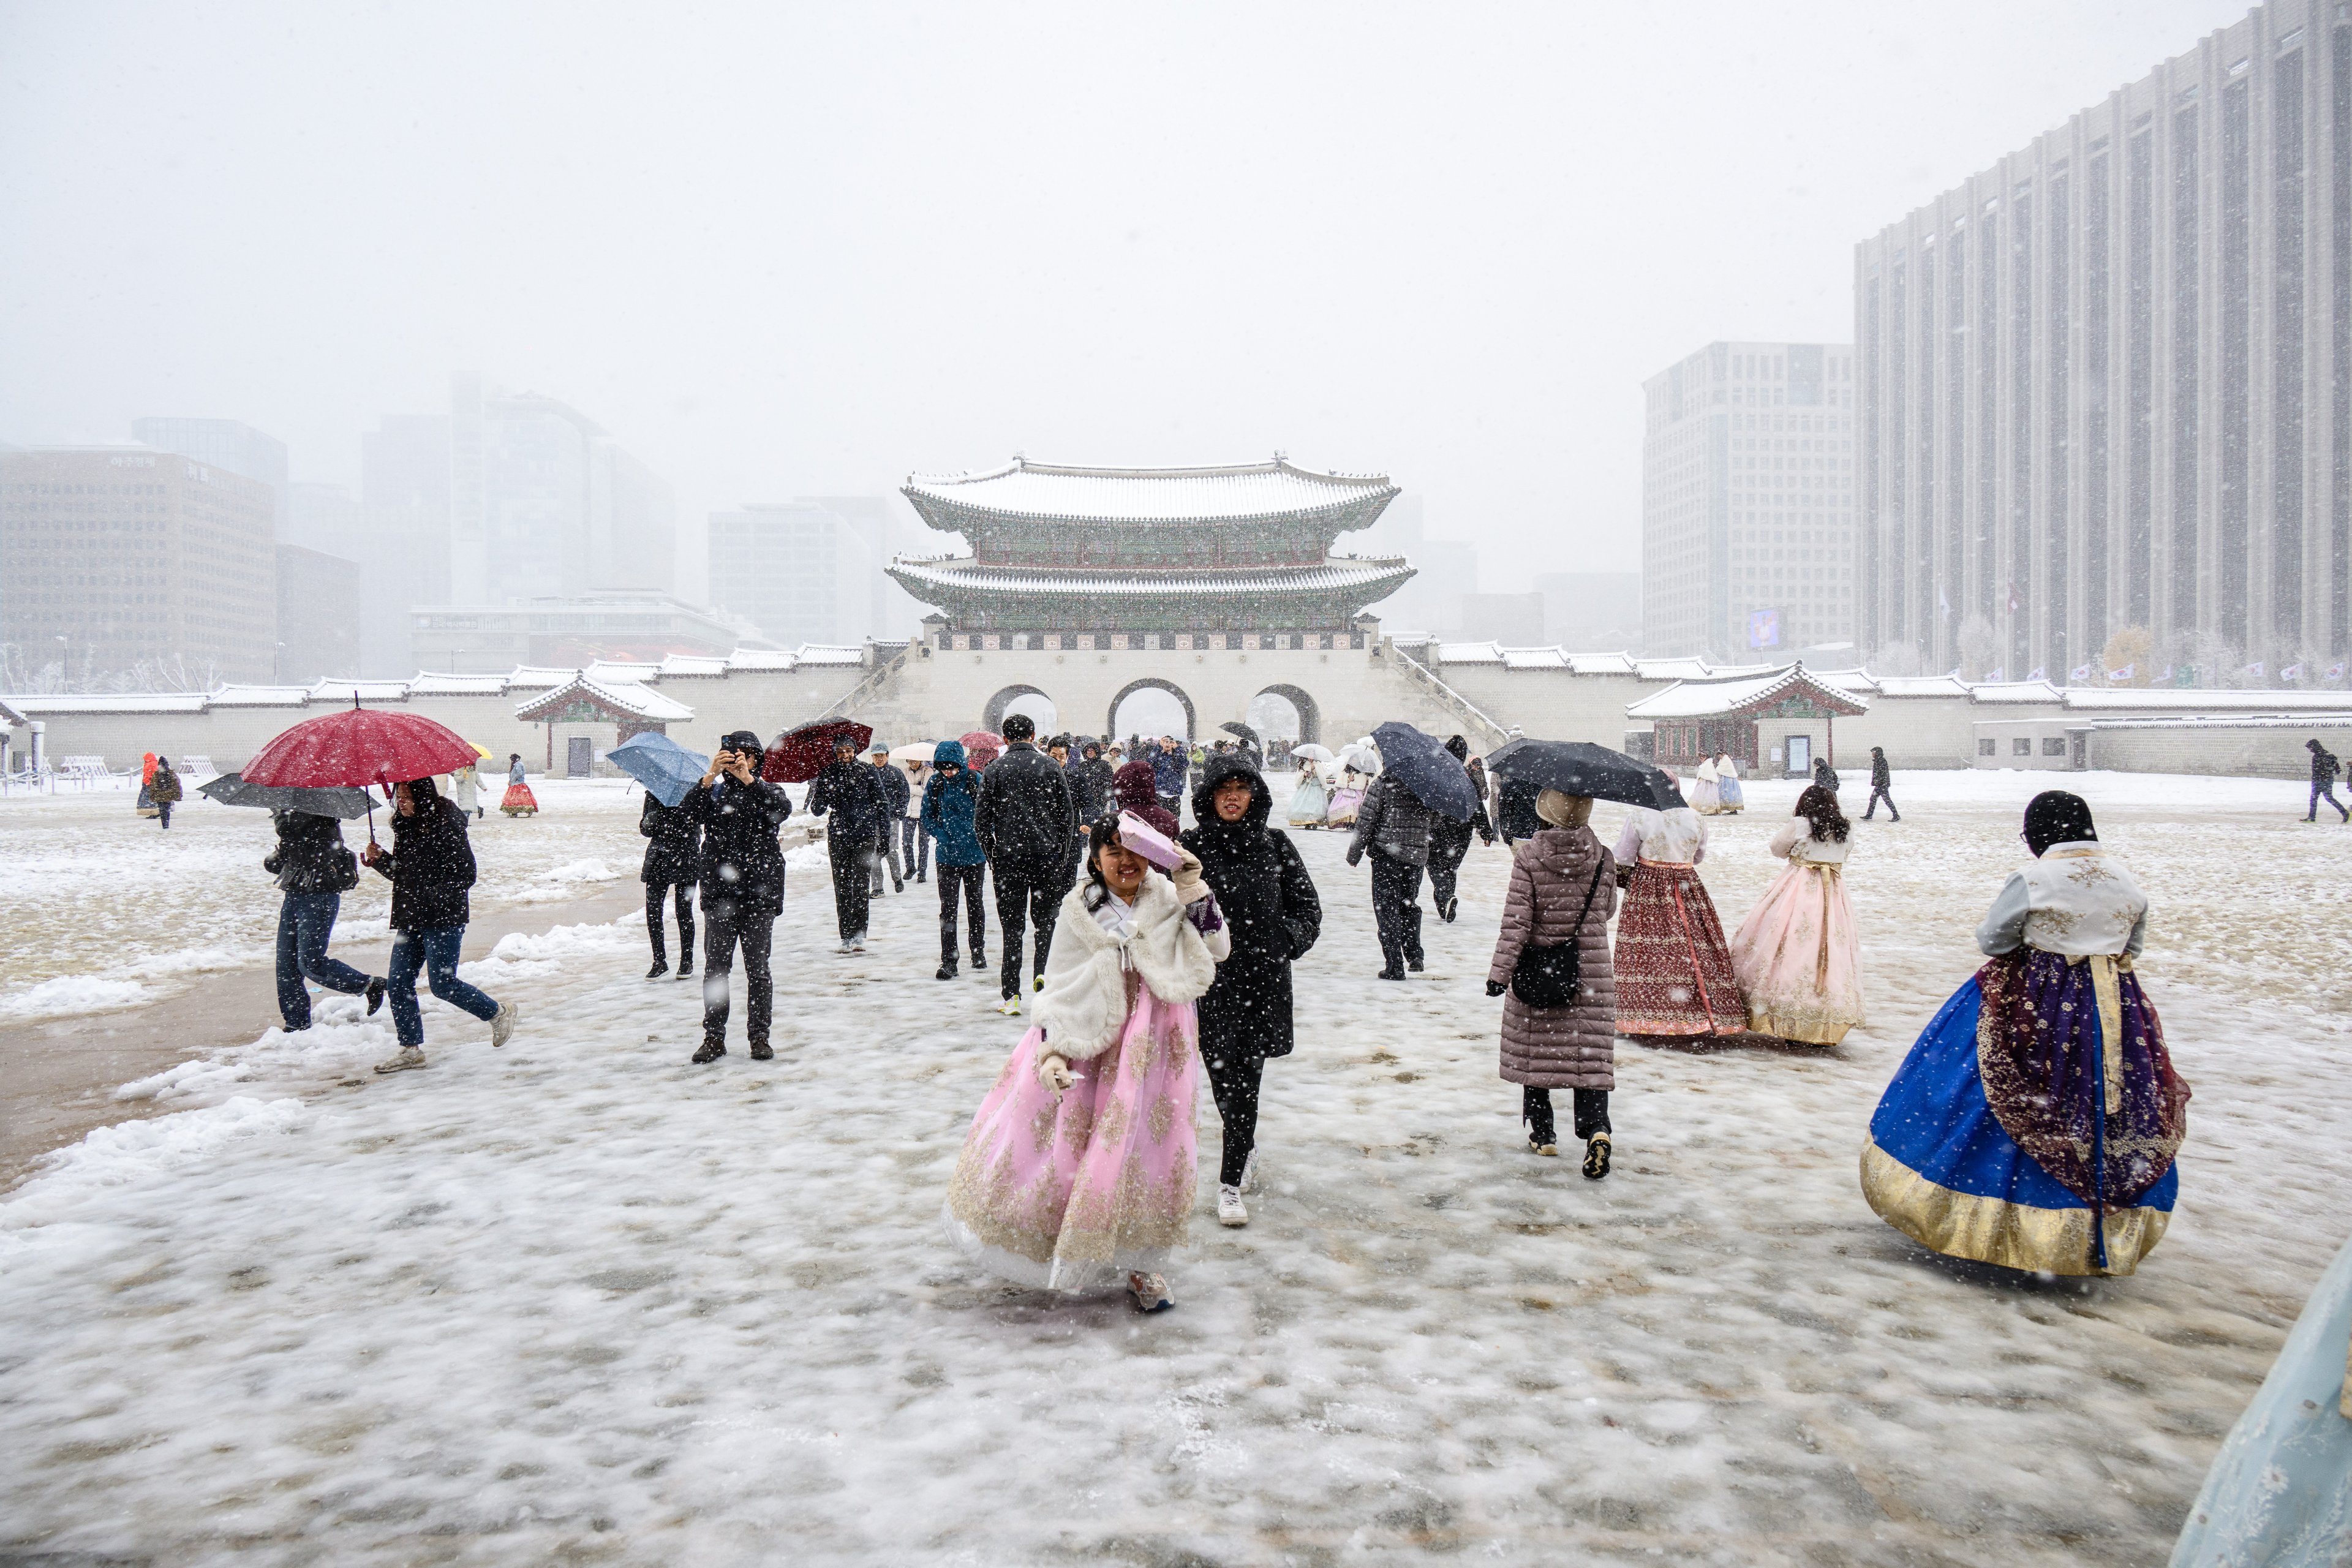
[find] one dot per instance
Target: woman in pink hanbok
(1079, 1168)
(1796, 956)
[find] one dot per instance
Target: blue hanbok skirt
(1727, 795)
(1948, 1162)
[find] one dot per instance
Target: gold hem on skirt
(1993, 1230)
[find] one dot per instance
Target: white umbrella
(923, 752)
(1359, 756)
(1313, 752)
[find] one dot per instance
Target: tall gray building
(1748, 500)
(2107, 382)
(229, 444)
(799, 571)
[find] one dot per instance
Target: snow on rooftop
(1336, 573)
(1703, 698)
(42, 705)
(260, 697)
(629, 695)
(2181, 697)
(1025, 489)
(2015, 691)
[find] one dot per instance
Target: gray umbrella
(231, 789)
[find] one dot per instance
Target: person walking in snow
(1089, 778)
(673, 862)
(163, 789)
(740, 814)
(2324, 769)
(465, 791)
(518, 801)
(1449, 841)
(915, 845)
(1563, 888)
(1170, 767)
(1729, 798)
(1673, 967)
(1080, 1165)
(431, 868)
(1796, 956)
(950, 805)
(1024, 822)
(1880, 777)
(1393, 826)
(852, 793)
(896, 793)
(1826, 776)
(1272, 911)
(314, 869)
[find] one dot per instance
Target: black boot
(710, 1052)
(375, 987)
(947, 971)
(761, 1053)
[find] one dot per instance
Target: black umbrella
(1579, 767)
(231, 789)
(1235, 727)
(1426, 768)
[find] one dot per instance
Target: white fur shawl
(1083, 1007)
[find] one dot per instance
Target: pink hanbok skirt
(1077, 1191)
(1799, 958)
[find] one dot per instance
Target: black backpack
(1550, 976)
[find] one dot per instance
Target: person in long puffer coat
(1272, 910)
(1563, 889)
(672, 862)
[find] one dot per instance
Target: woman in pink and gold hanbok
(1079, 1170)
(1797, 955)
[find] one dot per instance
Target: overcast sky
(792, 249)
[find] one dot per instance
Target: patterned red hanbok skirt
(519, 801)
(1673, 966)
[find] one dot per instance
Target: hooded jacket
(1169, 769)
(311, 857)
(431, 865)
(675, 854)
(2323, 765)
(950, 805)
(741, 861)
(1572, 1047)
(1269, 904)
(1025, 818)
(1879, 776)
(1136, 788)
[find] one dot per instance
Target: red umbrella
(358, 747)
(799, 756)
(981, 747)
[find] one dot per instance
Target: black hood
(1223, 765)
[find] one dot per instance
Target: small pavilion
(1777, 722)
(591, 703)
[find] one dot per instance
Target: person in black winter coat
(431, 866)
(1449, 841)
(742, 888)
(1089, 780)
(314, 869)
(1393, 826)
(672, 864)
(896, 793)
(1272, 910)
(2324, 769)
(853, 795)
(1880, 777)
(1024, 821)
(1826, 776)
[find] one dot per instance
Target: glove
(1496, 988)
(1190, 889)
(1053, 1072)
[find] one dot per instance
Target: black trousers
(1448, 842)
(915, 848)
(1396, 908)
(1233, 1079)
(1877, 793)
(1172, 804)
(1592, 1113)
(966, 878)
(851, 893)
(685, 892)
(730, 922)
(1036, 891)
(163, 810)
(2326, 791)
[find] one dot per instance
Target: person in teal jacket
(950, 801)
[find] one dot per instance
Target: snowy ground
(579, 1301)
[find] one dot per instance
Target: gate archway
(1150, 683)
(1310, 717)
(992, 717)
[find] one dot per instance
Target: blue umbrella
(1427, 769)
(667, 769)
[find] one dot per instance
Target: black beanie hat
(2058, 816)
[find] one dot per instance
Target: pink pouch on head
(1147, 841)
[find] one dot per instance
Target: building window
(2053, 746)
(2022, 746)
(1985, 747)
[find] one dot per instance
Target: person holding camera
(742, 888)
(1552, 970)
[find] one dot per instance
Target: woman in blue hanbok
(2034, 1123)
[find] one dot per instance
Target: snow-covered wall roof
(1241, 490)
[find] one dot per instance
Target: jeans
(1592, 1113)
(1233, 1079)
(916, 842)
(435, 953)
(1039, 891)
(852, 869)
(1877, 793)
(753, 926)
(684, 894)
(2326, 791)
(967, 879)
(1396, 908)
(305, 923)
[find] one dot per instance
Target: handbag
(1549, 976)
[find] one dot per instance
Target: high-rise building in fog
(799, 571)
(2108, 381)
(123, 559)
(319, 600)
(1593, 612)
(1748, 500)
(229, 444)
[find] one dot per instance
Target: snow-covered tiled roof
(1706, 698)
(9, 715)
(2015, 691)
(1469, 653)
(1603, 664)
(1337, 574)
(43, 705)
(427, 684)
(1240, 491)
(261, 697)
(1534, 659)
(2185, 699)
(691, 664)
(534, 677)
(2336, 718)
(813, 653)
(627, 695)
(1921, 685)
(761, 658)
(623, 670)
(366, 690)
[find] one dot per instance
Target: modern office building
(800, 570)
(1748, 500)
(221, 444)
(2107, 382)
(1591, 611)
(318, 599)
(130, 561)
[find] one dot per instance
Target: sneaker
(1445, 911)
(761, 1052)
(858, 942)
(1010, 1006)
(1596, 1157)
(710, 1052)
(1150, 1292)
(502, 1023)
(947, 971)
(660, 968)
(1039, 984)
(1249, 1174)
(979, 961)
(375, 989)
(843, 947)
(403, 1060)
(1231, 1212)
(686, 969)
(1548, 1151)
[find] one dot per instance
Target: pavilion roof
(621, 698)
(1234, 492)
(1711, 698)
(1372, 576)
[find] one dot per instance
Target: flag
(2336, 672)
(2293, 671)
(2039, 674)
(2080, 672)
(2124, 673)
(2000, 673)
(2255, 669)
